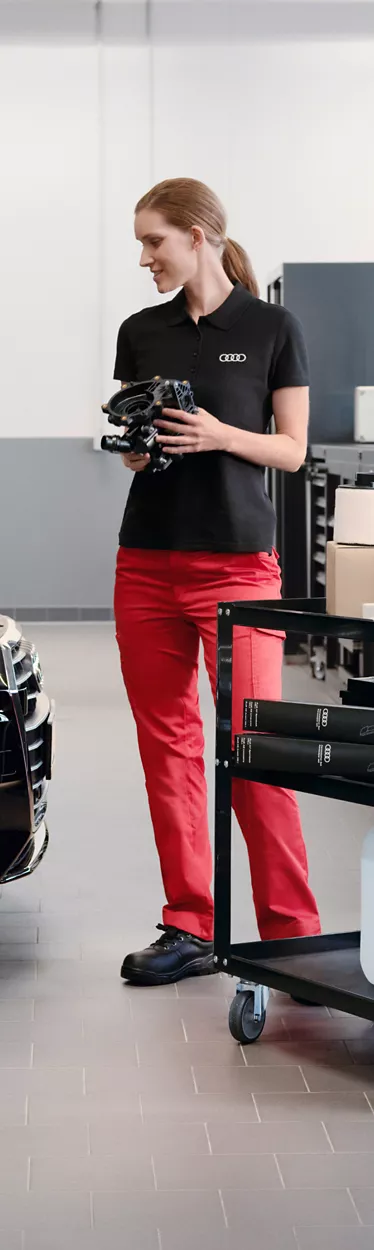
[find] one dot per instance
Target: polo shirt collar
(222, 317)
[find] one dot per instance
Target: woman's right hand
(134, 462)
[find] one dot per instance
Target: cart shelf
(350, 791)
(324, 969)
(321, 974)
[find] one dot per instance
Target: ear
(197, 237)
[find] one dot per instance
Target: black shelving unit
(329, 466)
(335, 304)
(323, 969)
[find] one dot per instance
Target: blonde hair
(186, 202)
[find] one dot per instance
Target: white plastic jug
(367, 907)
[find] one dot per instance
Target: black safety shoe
(172, 957)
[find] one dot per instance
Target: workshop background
(271, 103)
(130, 1119)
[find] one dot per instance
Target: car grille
(36, 708)
(27, 737)
(24, 677)
(35, 742)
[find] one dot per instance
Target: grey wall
(61, 505)
(214, 21)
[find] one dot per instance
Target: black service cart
(324, 969)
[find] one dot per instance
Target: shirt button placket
(196, 354)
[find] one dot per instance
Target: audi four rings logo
(234, 358)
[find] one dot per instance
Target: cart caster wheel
(242, 1024)
(319, 671)
(318, 667)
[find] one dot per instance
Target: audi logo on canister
(234, 358)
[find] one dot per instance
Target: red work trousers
(165, 603)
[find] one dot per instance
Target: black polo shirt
(234, 359)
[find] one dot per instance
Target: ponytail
(238, 267)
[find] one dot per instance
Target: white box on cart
(354, 516)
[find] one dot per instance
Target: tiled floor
(129, 1118)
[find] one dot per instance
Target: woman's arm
(286, 449)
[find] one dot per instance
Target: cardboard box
(354, 516)
(349, 579)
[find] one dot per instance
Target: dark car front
(26, 754)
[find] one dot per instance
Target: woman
(200, 532)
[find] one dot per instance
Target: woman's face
(168, 252)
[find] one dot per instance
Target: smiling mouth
(158, 273)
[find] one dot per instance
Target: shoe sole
(197, 968)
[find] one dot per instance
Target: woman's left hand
(195, 431)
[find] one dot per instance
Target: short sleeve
(290, 364)
(124, 368)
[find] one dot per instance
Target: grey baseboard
(58, 614)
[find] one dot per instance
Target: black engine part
(136, 407)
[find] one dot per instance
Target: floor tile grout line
(92, 1213)
(184, 1029)
(220, 1195)
(328, 1137)
(84, 1083)
(256, 1108)
(137, 1054)
(242, 1052)
(288, 1037)
(194, 1080)
(26, 1111)
(28, 1181)
(208, 1138)
(350, 1196)
(294, 1234)
(89, 1143)
(278, 1167)
(368, 1101)
(154, 1173)
(304, 1078)
(141, 1108)
(159, 1238)
(32, 1053)
(346, 1048)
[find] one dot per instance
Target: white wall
(49, 307)
(283, 133)
(127, 111)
